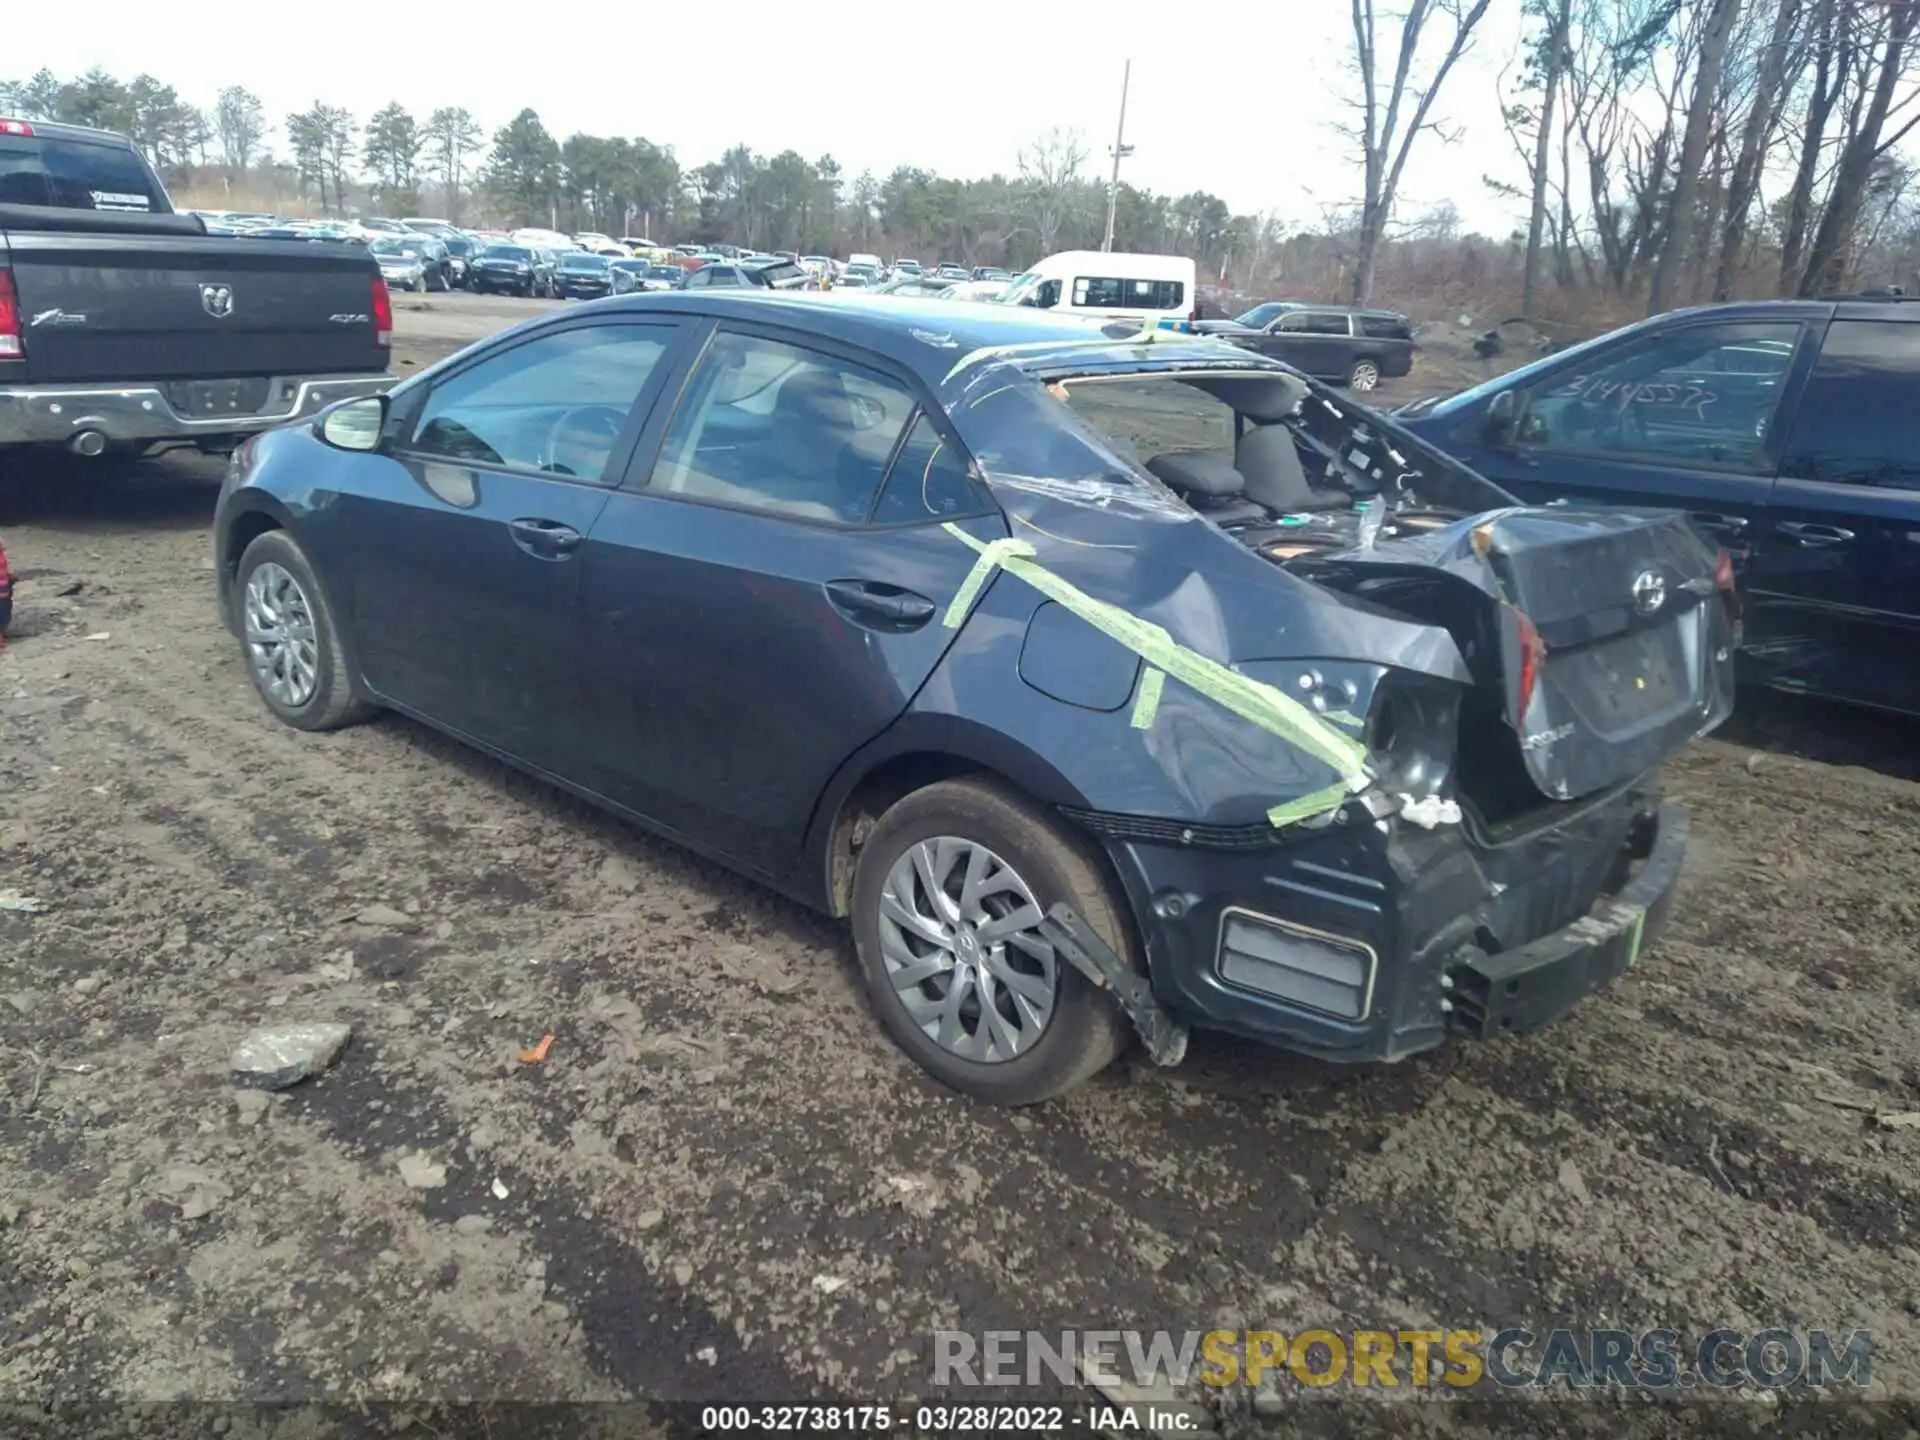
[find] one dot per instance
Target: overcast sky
(1235, 98)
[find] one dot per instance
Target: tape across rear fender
(1257, 703)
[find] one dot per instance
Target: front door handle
(544, 539)
(1804, 534)
(1708, 520)
(879, 606)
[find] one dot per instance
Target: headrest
(1197, 472)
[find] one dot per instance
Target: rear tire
(1084, 1029)
(1364, 376)
(300, 644)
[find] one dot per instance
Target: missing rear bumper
(1524, 988)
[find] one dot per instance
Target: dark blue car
(1786, 429)
(1100, 679)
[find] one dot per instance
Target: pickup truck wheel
(1365, 375)
(947, 891)
(296, 656)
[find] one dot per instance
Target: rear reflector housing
(16, 127)
(1327, 974)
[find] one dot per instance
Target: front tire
(1364, 376)
(946, 891)
(295, 653)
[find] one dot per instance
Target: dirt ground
(723, 1181)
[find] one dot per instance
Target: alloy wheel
(1366, 375)
(281, 645)
(957, 934)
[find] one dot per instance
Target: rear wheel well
(878, 791)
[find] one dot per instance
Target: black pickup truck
(127, 328)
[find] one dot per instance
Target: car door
(1833, 597)
(1320, 342)
(754, 614)
(464, 548)
(1681, 416)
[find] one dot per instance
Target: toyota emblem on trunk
(1649, 591)
(217, 300)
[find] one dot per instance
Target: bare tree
(1550, 63)
(1390, 125)
(1829, 257)
(1050, 175)
(241, 124)
(1756, 139)
(1680, 217)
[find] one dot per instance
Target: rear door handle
(544, 539)
(879, 606)
(1805, 534)
(1708, 520)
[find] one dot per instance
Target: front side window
(765, 425)
(554, 405)
(1853, 426)
(1696, 394)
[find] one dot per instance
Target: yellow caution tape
(1257, 703)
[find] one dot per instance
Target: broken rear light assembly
(12, 347)
(1533, 659)
(1725, 587)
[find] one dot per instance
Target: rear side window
(1385, 327)
(1855, 424)
(928, 481)
(769, 426)
(1097, 292)
(75, 175)
(1315, 322)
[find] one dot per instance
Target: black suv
(1785, 428)
(1358, 348)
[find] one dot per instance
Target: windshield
(1019, 290)
(1260, 316)
(507, 252)
(665, 272)
(584, 262)
(394, 247)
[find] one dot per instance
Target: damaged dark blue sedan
(1108, 683)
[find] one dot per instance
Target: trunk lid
(103, 305)
(1600, 642)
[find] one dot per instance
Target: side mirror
(1503, 412)
(356, 425)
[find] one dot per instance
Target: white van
(1109, 285)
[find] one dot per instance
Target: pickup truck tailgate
(106, 307)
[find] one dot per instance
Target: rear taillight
(382, 313)
(11, 345)
(16, 127)
(1533, 659)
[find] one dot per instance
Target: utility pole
(1120, 152)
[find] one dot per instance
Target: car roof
(925, 335)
